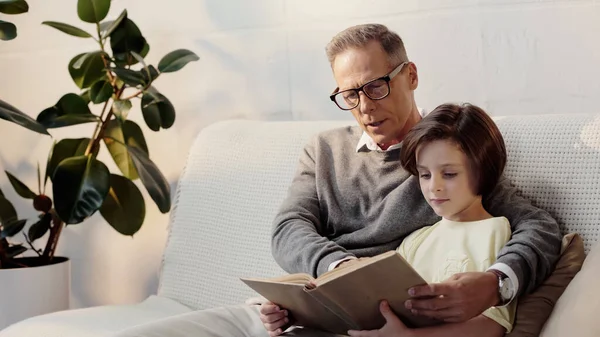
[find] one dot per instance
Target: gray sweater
(345, 203)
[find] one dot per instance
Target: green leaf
(79, 62)
(121, 109)
(15, 250)
(139, 58)
(145, 50)
(8, 31)
(52, 118)
(86, 96)
(90, 71)
(66, 28)
(39, 229)
(19, 187)
(64, 149)
(14, 7)
(131, 77)
(124, 207)
(176, 60)
(80, 186)
(101, 91)
(125, 39)
(12, 228)
(12, 114)
(153, 74)
(156, 184)
(157, 111)
(106, 28)
(8, 213)
(92, 11)
(70, 109)
(117, 137)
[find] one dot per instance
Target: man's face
(387, 120)
(446, 181)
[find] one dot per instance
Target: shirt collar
(367, 142)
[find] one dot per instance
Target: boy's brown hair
(469, 127)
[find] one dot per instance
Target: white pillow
(577, 311)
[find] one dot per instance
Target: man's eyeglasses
(376, 89)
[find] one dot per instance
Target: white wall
(265, 60)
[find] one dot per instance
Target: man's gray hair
(361, 35)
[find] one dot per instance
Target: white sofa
(228, 194)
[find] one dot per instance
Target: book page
(360, 289)
(291, 278)
(338, 272)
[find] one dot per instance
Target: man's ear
(413, 76)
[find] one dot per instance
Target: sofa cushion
(97, 321)
(576, 312)
(534, 309)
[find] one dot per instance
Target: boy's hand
(393, 325)
(274, 318)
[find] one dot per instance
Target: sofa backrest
(554, 161)
(238, 172)
(235, 178)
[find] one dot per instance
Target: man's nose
(366, 105)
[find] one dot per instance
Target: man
(350, 197)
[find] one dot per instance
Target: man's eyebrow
(351, 88)
(363, 83)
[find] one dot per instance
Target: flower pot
(31, 291)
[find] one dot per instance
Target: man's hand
(458, 299)
(393, 325)
(274, 318)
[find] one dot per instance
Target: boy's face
(446, 181)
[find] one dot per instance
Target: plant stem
(55, 230)
(102, 114)
(132, 96)
(95, 141)
(106, 63)
(89, 148)
(31, 245)
(100, 125)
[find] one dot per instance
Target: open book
(348, 297)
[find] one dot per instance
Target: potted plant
(112, 76)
